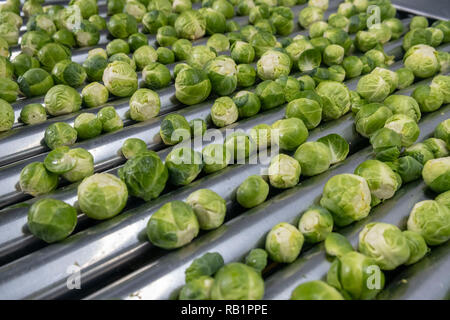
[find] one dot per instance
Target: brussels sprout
(315, 290)
(64, 37)
(396, 27)
(51, 53)
(416, 37)
(36, 180)
(417, 246)
(221, 72)
(165, 55)
(192, 86)
(309, 59)
(296, 48)
(336, 73)
(209, 207)
(337, 97)
(135, 9)
(144, 56)
(444, 61)
(309, 15)
(436, 36)
(436, 174)
(366, 40)
(102, 196)
(184, 165)
(284, 243)
(94, 94)
(156, 75)
(4, 51)
(390, 77)
(95, 66)
(144, 105)
(123, 58)
(284, 171)
(178, 67)
(248, 32)
(59, 160)
(166, 36)
(317, 29)
(262, 135)
(247, 103)
(51, 220)
(336, 245)
(87, 125)
(69, 73)
(10, 33)
(437, 146)
(237, 281)
(240, 145)
(371, 117)
(59, 134)
(115, 6)
(117, 46)
(444, 199)
(33, 41)
(273, 64)
(421, 60)
(242, 52)
(380, 60)
(174, 129)
(400, 104)
(215, 157)
(86, 34)
(337, 145)
(190, 25)
(153, 20)
(120, 79)
(98, 22)
(442, 83)
(356, 101)
(356, 275)
(420, 152)
(98, 52)
(282, 19)
(444, 26)
(122, 25)
(262, 41)
(62, 99)
(382, 32)
(386, 144)
(333, 54)
(84, 165)
(111, 121)
(442, 132)
(35, 82)
(315, 224)
(409, 168)
(405, 126)
(431, 220)
(314, 158)
(133, 147)
(257, 259)
(197, 289)
(11, 18)
(270, 93)
(224, 112)
(33, 113)
(290, 132)
(246, 75)
(243, 7)
(307, 110)
(259, 12)
(206, 265)
(215, 21)
(198, 127)
(225, 7)
(182, 48)
(23, 62)
(6, 116)
(405, 78)
(9, 90)
(200, 56)
(347, 197)
(252, 191)
(291, 87)
(418, 22)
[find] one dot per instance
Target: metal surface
(436, 9)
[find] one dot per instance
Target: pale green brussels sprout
(98, 22)
(437, 146)
(290, 133)
(184, 165)
(166, 36)
(9, 90)
(371, 117)
(35, 82)
(315, 290)
(178, 67)
(122, 25)
(320, 43)
(258, 12)
(405, 126)
(366, 40)
(243, 7)
(368, 64)
(120, 79)
(309, 15)
(353, 66)
(420, 152)
(117, 46)
(111, 121)
(336, 245)
(232, 27)
(240, 145)
(337, 98)
(246, 75)
(215, 21)
(333, 54)
(153, 20)
(237, 281)
(11, 18)
(405, 78)
(315, 224)
(282, 19)
(215, 157)
(320, 74)
(182, 49)
(296, 48)
(84, 165)
(87, 126)
(400, 104)
(418, 22)
(115, 6)
(247, 32)
(382, 32)
(442, 132)
(421, 60)
(144, 56)
(417, 246)
(33, 113)
(206, 265)
(389, 76)
(69, 73)
(59, 160)
(347, 197)
(225, 7)
(442, 83)
(408, 168)
(373, 88)
(51, 220)
(59, 134)
(338, 146)
(51, 53)
(284, 171)
(396, 27)
(436, 174)
(218, 42)
(33, 41)
(436, 36)
(262, 41)
(262, 135)
(197, 289)
(94, 94)
(336, 73)
(337, 20)
(190, 25)
(309, 60)
(6, 116)
(135, 9)
(61, 99)
(431, 220)
(270, 93)
(257, 259)
(174, 129)
(247, 103)
(209, 207)
(87, 7)
(386, 144)
(156, 75)
(198, 127)
(86, 34)
(10, 33)
(192, 86)
(162, 5)
(200, 56)
(64, 37)
(444, 199)
(307, 110)
(317, 29)
(221, 72)
(94, 66)
(144, 173)
(252, 191)
(313, 157)
(444, 61)
(224, 112)
(242, 52)
(340, 37)
(273, 64)
(123, 58)
(416, 37)
(284, 243)
(36, 180)
(41, 22)
(444, 26)
(380, 177)
(356, 276)
(291, 87)
(4, 52)
(132, 147)
(102, 196)
(144, 105)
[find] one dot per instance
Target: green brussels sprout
(98, 52)
(247, 32)
(291, 87)
(309, 15)
(240, 145)
(340, 37)
(184, 165)
(420, 152)
(192, 86)
(315, 290)
(123, 58)
(165, 55)
(225, 7)
(336, 245)
(35, 82)
(180, 231)
(333, 54)
(242, 52)
(87, 7)
(218, 42)
(111, 121)
(442, 132)
(51, 53)
(144, 56)
(33, 113)
(284, 171)
(390, 77)
(444, 199)
(36, 180)
(86, 34)
(246, 75)
(209, 207)
(307, 110)
(117, 46)
(396, 27)
(386, 144)
(41, 22)
(156, 75)
(356, 275)
(64, 37)
(215, 157)
(265, 25)
(258, 12)
(6, 116)
(382, 32)
(314, 158)
(69, 73)
(317, 29)
(243, 7)
(9, 90)
(273, 64)
(296, 48)
(417, 246)
(115, 6)
(182, 48)
(405, 78)
(270, 93)
(257, 259)
(135, 9)
(336, 73)
(436, 36)
(436, 174)
(174, 129)
(122, 25)
(59, 134)
(437, 146)
(4, 50)
(368, 64)
(51, 220)
(347, 197)
(190, 25)
(222, 74)
(282, 19)
(421, 60)
(132, 147)
(224, 112)
(166, 36)
(262, 135)
(408, 168)
(197, 289)
(379, 59)
(416, 37)
(120, 79)
(215, 21)
(94, 67)
(84, 165)
(315, 224)
(11, 18)
(252, 191)
(442, 83)
(206, 265)
(162, 5)
(400, 104)
(356, 101)
(61, 99)
(444, 26)
(366, 40)
(33, 41)
(290, 132)
(98, 22)
(444, 61)
(59, 160)
(198, 127)
(262, 41)
(371, 117)
(418, 22)
(309, 60)
(102, 196)
(373, 88)
(200, 56)
(153, 20)
(237, 281)
(284, 243)
(431, 220)
(247, 103)
(144, 105)
(405, 126)
(338, 146)
(10, 33)
(87, 126)
(320, 43)
(353, 66)
(94, 94)
(337, 97)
